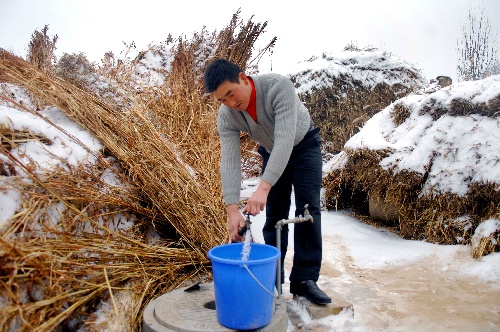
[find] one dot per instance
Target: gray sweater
(283, 122)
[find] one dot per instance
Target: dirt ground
(424, 296)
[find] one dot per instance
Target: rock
(442, 81)
(382, 210)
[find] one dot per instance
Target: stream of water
(245, 252)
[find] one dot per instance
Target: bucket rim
(214, 258)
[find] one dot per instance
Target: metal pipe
(279, 225)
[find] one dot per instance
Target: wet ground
(423, 296)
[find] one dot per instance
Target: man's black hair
(218, 71)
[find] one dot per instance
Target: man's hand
(234, 221)
(257, 202)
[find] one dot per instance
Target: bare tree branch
(478, 50)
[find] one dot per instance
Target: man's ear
(243, 78)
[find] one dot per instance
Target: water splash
(245, 252)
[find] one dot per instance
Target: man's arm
(235, 220)
(257, 202)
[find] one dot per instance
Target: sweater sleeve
(230, 166)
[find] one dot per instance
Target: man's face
(235, 95)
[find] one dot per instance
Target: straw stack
(150, 160)
(404, 197)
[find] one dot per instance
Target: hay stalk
(149, 159)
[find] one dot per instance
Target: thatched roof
(434, 156)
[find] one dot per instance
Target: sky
(423, 32)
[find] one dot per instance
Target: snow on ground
(395, 284)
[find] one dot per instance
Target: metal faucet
(279, 225)
(242, 230)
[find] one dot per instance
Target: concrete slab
(195, 311)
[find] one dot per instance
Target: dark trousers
(304, 173)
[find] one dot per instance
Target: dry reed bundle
(11, 138)
(167, 145)
(180, 109)
(82, 190)
(41, 49)
(149, 159)
(72, 247)
(251, 161)
(81, 186)
(427, 199)
(449, 218)
(348, 187)
(46, 282)
(484, 244)
(341, 117)
(78, 70)
(238, 47)
(185, 118)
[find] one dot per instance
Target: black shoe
(310, 291)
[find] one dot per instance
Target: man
(268, 108)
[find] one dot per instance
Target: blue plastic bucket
(244, 290)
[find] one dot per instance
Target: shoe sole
(315, 302)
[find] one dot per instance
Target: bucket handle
(254, 278)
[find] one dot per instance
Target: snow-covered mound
(431, 162)
(453, 135)
(356, 68)
(344, 90)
